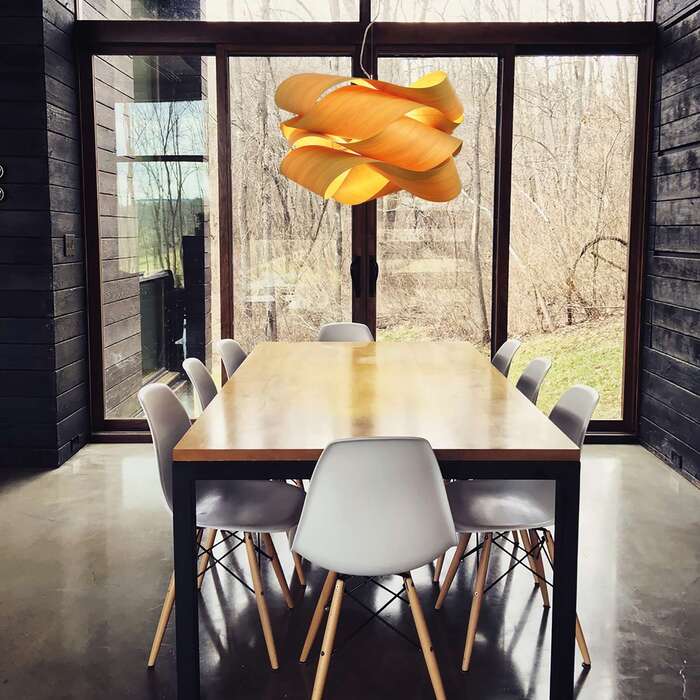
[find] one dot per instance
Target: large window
(224, 10)
(291, 249)
(435, 259)
(199, 235)
(512, 10)
(153, 116)
(570, 218)
(383, 10)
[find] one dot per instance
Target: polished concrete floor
(86, 554)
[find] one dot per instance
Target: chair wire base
(539, 545)
(374, 614)
(218, 560)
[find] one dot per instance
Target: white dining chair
(263, 507)
(530, 381)
(405, 523)
(494, 506)
(503, 358)
(201, 380)
(232, 355)
(345, 332)
(205, 389)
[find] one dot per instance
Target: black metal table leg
(185, 554)
(561, 684)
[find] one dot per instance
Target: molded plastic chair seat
(201, 380)
(503, 358)
(252, 506)
(344, 529)
(530, 381)
(232, 355)
(376, 506)
(490, 505)
(526, 506)
(345, 332)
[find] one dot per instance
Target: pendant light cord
(364, 40)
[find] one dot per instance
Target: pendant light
(358, 139)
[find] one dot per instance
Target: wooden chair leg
(277, 568)
(476, 600)
(438, 568)
(162, 622)
(320, 609)
(424, 636)
(539, 567)
(514, 535)
(580, 638)
(298, 560)
(204, 559)
(452, 570)
(299, 568)
(166, 610)
(525, 538)
(260, 599)
(582, 645)
(441, 559)
(328, 640)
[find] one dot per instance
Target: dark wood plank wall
(670, 386)
(43, 350)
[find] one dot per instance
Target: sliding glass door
(435, 259)
(158, 225)
(193, 232)
(291, 249)
(573, 135)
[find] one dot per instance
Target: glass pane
(291, 249)
(158, 230)
(284, 10)
(225, 10)
(435, 258)
(572, 162)
(511, 10)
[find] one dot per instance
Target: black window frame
(504, 41)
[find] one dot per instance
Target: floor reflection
(88, 559)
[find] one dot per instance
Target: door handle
(373, 275)
(355, 275)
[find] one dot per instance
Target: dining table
(288, 400)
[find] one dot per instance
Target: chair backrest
(232, 355)
(345, 332)
(504, 356)
(375, 506)
(530, 381)
(572, 413)
(202, 381)
(168, 422)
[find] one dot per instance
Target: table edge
(307, 455)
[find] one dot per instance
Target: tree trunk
(481, 312)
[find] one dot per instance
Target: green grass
(402, 334)
(587, 353)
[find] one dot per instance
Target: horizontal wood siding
(670, 382)
(43, 349)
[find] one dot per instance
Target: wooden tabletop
(287, 401)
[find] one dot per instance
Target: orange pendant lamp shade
(369, 138)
